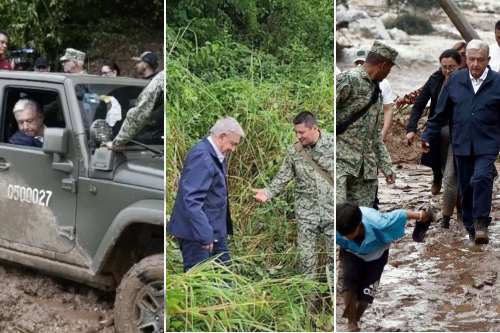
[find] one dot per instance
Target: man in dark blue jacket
(29, 118)
(200, 219)
(471, 98)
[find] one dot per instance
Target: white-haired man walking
(472, 96)
(201, 219)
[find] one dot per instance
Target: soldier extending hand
(310, 163)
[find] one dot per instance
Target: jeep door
(37, 201)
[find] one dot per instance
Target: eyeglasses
(108, 73)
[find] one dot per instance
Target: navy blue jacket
(201, 209)
(19, 138)
(475, 125)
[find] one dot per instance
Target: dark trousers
(475, 179)
(362, 277)
(193, 253)
(434, 159)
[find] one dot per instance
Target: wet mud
(443, 284)
(31, 302)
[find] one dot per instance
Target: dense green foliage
(52, 25)
(261, 62)
(272, 26)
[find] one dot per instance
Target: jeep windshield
(111, 102)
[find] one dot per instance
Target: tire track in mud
(442, 284)
(31, 302)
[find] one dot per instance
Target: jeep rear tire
(140, 304)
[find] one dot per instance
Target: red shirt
(5, 64)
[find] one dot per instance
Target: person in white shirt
(495, 50)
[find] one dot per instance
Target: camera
(24, 58)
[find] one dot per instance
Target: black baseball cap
(149, 58)
(41, 62)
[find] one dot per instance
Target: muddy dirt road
(34, 303)
(439, 285)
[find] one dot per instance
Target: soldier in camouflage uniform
(360, 149)
(138, 116)
(73, 61)
(314, 191)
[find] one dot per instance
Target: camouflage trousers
(356, 189)
(309, 235)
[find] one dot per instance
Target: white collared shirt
(40, 137)
(476, 83)
(495, 57)
(220, 156)
(386, 92)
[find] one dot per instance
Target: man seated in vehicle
(29, 118)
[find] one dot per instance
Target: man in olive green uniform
(360, 149)
(310, 162)
(139, 116)
(73, 61)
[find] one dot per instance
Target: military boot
(481, 229)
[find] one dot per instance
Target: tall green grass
(263, 289)
(213, 297)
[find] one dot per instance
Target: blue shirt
(381, 229)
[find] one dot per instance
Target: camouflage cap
(385, 51)
(360, 55)
(72, 54)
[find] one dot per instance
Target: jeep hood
(141, 169)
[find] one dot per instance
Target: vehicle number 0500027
(29, 195)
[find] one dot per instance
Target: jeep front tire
(139, 304)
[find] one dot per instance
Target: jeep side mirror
(55, 141)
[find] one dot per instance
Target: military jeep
(76, 209)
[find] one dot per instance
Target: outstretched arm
(282, 178)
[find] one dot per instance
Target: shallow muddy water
(443, 284)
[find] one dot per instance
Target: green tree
(273, 26)
(52, 25)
